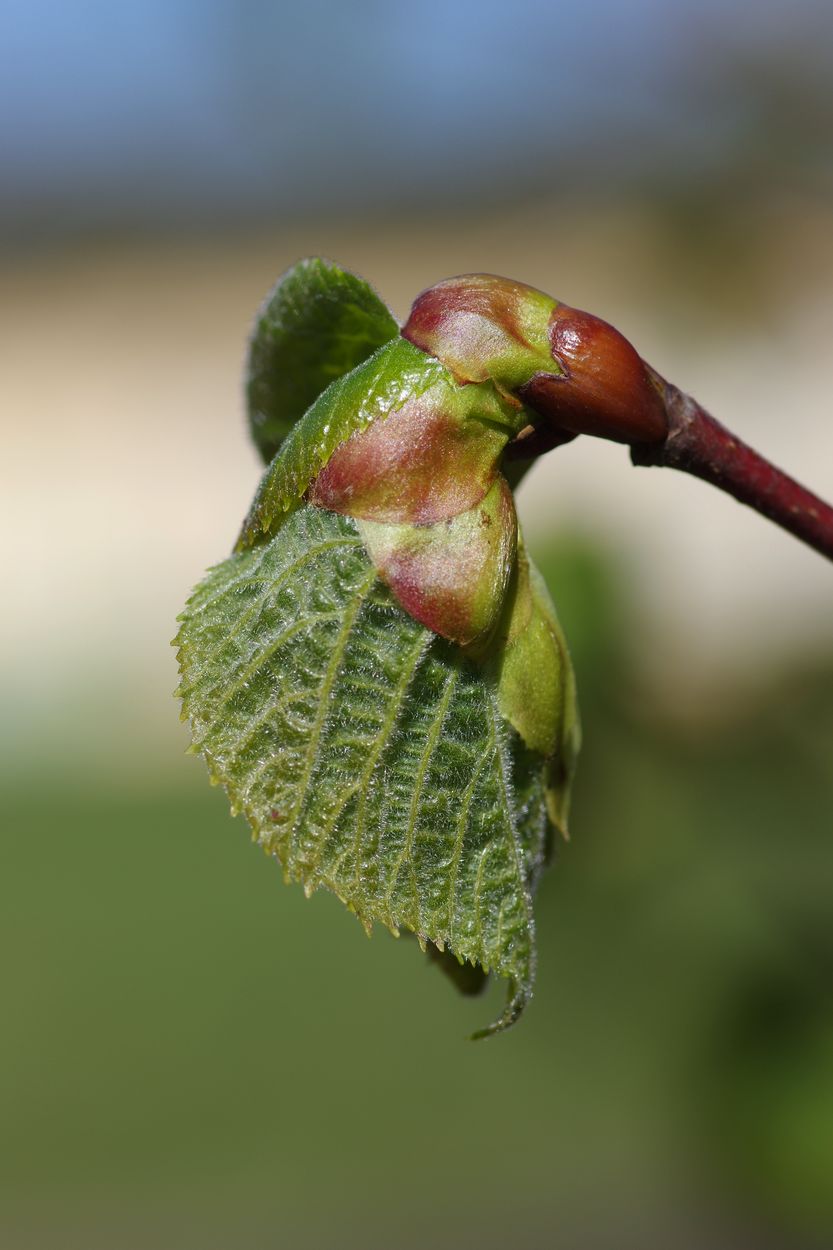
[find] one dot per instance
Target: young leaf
(317, 324)
(393, 375)
(369, 755)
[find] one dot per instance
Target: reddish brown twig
(698, 444)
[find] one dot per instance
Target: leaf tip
(519, 996)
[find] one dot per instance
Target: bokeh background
(190, 1053)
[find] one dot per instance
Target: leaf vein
(241, 676)
(432, 738)
(273, 584)
(462, 827)
(330, 676)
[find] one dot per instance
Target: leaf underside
(368, 754)
(317, 324)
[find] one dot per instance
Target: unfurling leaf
(317, 324)
(376, 675)
(394, 374)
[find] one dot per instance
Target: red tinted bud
(603, 387)
(574, 369)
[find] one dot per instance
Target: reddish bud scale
(421, 464)
(484, 327)
(451, 576)
(604, 387)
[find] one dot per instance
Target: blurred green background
(191, 1054)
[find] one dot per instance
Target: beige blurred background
(193, 1056)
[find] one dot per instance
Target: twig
(698, 444)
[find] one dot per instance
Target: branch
(699, 445)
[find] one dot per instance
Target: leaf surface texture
(368, 754)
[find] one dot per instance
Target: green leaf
(393, 375)
(317, 324)
(368, 754)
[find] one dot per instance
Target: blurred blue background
(192, 1055)
(200, 114)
